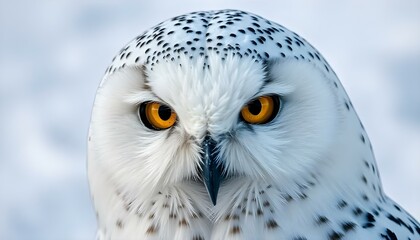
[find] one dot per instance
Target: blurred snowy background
(53, 55)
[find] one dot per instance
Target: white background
(53, 55)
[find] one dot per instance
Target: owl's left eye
(261, 110)
(157, 116)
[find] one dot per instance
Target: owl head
(216, 99)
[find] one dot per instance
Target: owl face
(212, 122)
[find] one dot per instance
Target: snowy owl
(225, 125)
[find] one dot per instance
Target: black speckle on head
(365, 197)
(389, 235)
(303, 196)
(271, 224)
(335, 235)
(348, 226)
(252, 30)
(347, 106)
(342, 204)
(370, 217)
(368, 225)
(366, 163)
(320, 220)
(288, 198)
(398, 208)
(364, 179)
(357, 211)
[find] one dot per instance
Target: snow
(53, 55)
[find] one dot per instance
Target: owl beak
(211, 171)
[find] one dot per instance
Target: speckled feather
(196, 34)
(308, 174)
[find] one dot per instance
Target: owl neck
(350, 169)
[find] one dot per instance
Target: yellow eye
(261, 110)
(156, 115)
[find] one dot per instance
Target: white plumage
(306, 171)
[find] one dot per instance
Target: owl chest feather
(294, 217)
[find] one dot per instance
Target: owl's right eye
(156, 116)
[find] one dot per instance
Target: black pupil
(164, 112)
(254, 107)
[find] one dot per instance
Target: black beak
(211, 170)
